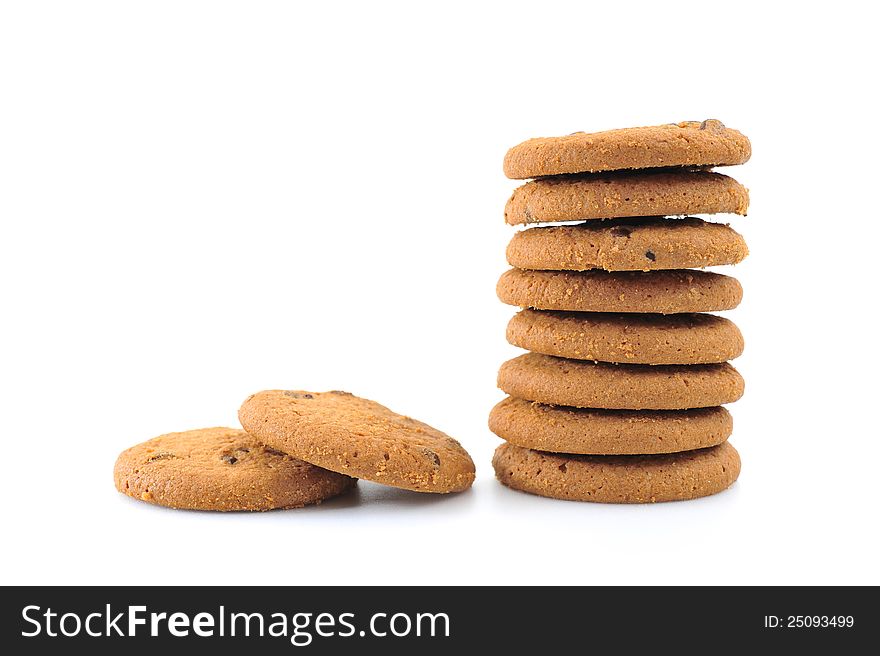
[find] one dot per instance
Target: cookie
(618, 479)
(360, 438)
(559, 381)
(608, 432)
(613, 195)
(663, 292)
(690, 143)
(221, 469)
(632, 338)
(627, 245)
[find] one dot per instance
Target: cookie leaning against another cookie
(627, 245)
(689, 143)
(350, 435)
(615, 195)
(608, 432)
(618, 479)
(632, 338)
(663, 292)
(221, 469)
(559, 381)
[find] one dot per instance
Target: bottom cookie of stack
(618, 479)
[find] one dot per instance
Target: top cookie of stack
(633, 382)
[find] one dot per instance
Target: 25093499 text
(809, 621)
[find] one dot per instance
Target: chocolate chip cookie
(354, 436)
(221, 469)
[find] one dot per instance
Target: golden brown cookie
(632, 338)
(614, 195)
(690, 143)
(354, 436)
(608, 432)
(221, 469)
(627, 245)
(663, 292)
(559, 381)
(618, 479)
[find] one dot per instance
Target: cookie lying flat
(627, 245)
(614, 195)
(663, 292)
(354, 436)
(690, 143)
(608, 432)
(221, 469)
(559, 381)
(632, 338)
(618, 479)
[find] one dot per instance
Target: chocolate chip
(620, 231)
(563, 468)
(712, 124)
(161, 456)
(228, 459)
(433, 456)
(299, 395)
(650, 255)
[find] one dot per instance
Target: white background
(200, 200)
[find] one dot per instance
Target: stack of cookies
(297, 448)
(620, 398)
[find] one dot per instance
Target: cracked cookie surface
(221, 469)
(358, 437)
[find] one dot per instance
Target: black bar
(517, 619)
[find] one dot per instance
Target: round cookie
(689, 143)
(628, 338)
(608, 432)
(614, 195)
(221, 469)
(350, 435)
(559, 381)
(627, 245)
(618, 479)
(663, 292)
